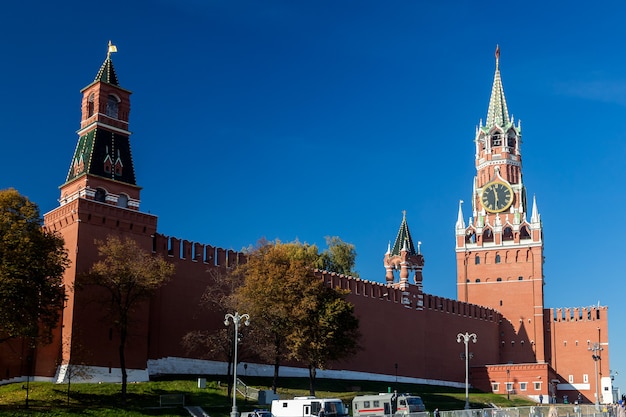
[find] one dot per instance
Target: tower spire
(534, 215)
(497, 114)
(460, 223)
(404, 241)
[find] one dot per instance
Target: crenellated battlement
(573, 314)
(185, 250)
(409, 297)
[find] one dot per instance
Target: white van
(388, 404)
(309, 407)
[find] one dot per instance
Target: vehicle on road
(387, 404)
(309, 407)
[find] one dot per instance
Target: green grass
(143, 398)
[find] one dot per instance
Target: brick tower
(99, 198)
(500, 251)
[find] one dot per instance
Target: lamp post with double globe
(236, 318)
(466, 338)
(596, 349)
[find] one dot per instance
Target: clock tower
(499, 250)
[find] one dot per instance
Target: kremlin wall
(522, 346)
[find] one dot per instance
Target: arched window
(496, 139)
(477, 260)
(524, 234)
(510, 142)
(499, 279)
(90, 105)
(497, 258)
(112, 106)
(470, 236)
(477, 279)
(487, 235)
(101, 195)
(507, 234)
(122, 200)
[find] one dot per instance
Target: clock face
(497, 196)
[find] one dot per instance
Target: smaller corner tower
(403, 257)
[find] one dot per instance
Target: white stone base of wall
(200, 368)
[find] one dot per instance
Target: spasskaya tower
(500, 249)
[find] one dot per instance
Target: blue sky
(303, 119)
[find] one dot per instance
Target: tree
(339, 257)
(129, 276)
(32, 263)
(304, 319)
(328, 330)
(274, 275)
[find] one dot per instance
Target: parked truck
(309, 407)
(388, 404)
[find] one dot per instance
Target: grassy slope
(143, 398)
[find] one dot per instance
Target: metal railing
(548, 410)
(249, 393)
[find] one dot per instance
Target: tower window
(477, 260)
(524, 234)
(499, 279)
(507, 234)
(477, 279)
(100, 195)
(112, 106)
(487, 235)
(90, 105)
(497, 258)
(122, 200)
(496, 140)
(510, 142)
(520, 278)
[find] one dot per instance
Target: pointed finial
(403, 214)
(419, 245)
(460, 223)
(112, 48)
(534, 214)
(497, 55)
(388, 248)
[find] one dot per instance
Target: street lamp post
(466, 338)
(508, 391)
(236, 318)
(596, 348)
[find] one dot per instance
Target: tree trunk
(122, 349)
(312, 373)
(229, 377)
(276, 365)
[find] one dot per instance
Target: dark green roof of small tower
(403, 239)
(107, 74)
